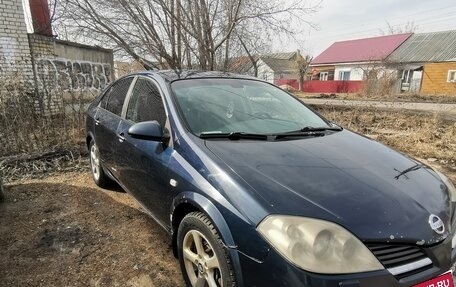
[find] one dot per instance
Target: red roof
(361, 50)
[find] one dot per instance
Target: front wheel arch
(188, 202)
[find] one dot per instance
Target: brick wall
(65, 70)
(67, 66)
(15, 59)
(41, 46)
(435, 79)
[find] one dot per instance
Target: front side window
(146, 103)
(116, 96)
(234, 105)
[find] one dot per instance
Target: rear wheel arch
(89, 137)
(88, 140)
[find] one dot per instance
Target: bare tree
(408, 27)
(380, 77)
(302, 65)
(175, 33)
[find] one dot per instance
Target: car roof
(173, 75)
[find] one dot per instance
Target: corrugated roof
(240, 65)
(281, 56)
(426, 47)
(276, 61)
(361, 50)
(280, 65)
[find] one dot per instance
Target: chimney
(41, 18)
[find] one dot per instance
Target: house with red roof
(422, 63)
(345, 65)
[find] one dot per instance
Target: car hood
(345, 178)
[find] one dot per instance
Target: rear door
(143, 164)
(107, 120)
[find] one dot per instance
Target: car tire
(98, 173)
(203, 259)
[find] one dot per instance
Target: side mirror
(150, 130)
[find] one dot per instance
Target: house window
(323, 76)
(406, 76)
(344, 75)
(452, 76)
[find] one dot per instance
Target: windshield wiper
(320, 129)
(233, 136)
(412, 168)
(307, 131)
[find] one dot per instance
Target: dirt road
(65, 231)
(446, 109)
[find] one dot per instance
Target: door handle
(121, 137)
(97, 121)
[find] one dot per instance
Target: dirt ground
(64, 231)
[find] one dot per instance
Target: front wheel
(203, 260)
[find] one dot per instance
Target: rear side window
(115, 96)
(146, 103)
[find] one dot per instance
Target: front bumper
(275, 271)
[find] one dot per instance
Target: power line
(415, 21)
(424, 11)
(428, 20)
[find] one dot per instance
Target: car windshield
(211, 106)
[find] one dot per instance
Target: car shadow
(75, 235)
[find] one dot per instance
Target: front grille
(401, 260)
(396, 255)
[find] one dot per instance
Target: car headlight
(449, 184)
(317, 246)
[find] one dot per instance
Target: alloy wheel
(95, 161)
(201, 262)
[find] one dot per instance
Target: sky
(340, 20)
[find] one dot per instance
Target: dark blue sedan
(257, 189)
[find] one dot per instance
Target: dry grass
(38, 121)
(420, 135)
(25, 167)
(41, 130)
(405, 97)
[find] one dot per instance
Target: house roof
(427, 47)
(281, 56)
(278, 62)
(281, 62)
(361, 50)
(240, 65)
(279, 65)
